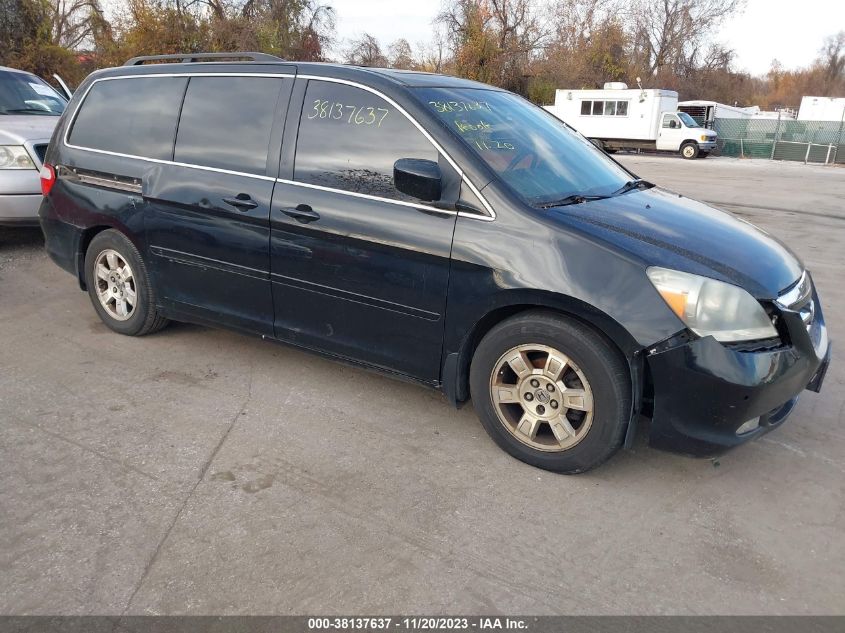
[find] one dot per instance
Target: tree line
(528, 46)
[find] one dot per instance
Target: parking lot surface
(204, 472)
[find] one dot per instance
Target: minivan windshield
(687, 120)
(22, 93)
(531, 150)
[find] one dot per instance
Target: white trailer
(707, 112)
(822, 109)
(617, 117)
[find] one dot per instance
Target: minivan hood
(665, 229)
(17, 129)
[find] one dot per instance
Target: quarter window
(586, 107)
(130, 116)
(226, 122)
(350, 138)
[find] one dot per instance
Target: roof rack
(200, 57)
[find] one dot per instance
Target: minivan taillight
(48, 178)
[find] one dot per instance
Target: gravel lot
(200, 471)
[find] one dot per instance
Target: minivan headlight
(712, 308)
(15, 157)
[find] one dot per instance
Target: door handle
(301, 213)
(242, 202)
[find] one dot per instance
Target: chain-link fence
(785, 139)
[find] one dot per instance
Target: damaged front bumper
(710, 396)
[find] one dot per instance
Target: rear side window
(226, 122)
(134, 116)
(349, 139)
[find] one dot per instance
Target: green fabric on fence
(786, 139)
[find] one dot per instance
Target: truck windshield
(687, 120)
(530, 149)
(22, 93)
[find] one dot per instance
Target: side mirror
(418, 178)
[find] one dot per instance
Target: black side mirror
(418, 178)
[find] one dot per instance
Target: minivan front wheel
(551, 392)
(119, 286)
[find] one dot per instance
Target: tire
(122, 280)
(689, 150)
(611, 151)
(500, 395)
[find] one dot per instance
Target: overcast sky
(791, 31)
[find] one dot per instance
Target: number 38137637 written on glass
(354, 115)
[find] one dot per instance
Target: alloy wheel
(116, 287)
(541, 397)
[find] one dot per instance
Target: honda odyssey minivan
(437, 229)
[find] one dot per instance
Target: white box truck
(617, 117)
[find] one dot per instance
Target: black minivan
(437, 229)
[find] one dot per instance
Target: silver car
(29, 111)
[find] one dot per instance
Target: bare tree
(575, 21)
(401, 56)
(493, 40)
(517, 25)
(72, 22)
(833, 58)
(365, 51)
(434, 53)
(668, 33)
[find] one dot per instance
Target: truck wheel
(551, 392)
(119, 285)
(689, 150)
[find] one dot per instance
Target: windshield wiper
(639, 183)
(575, 198)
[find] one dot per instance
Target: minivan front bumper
(704, 391)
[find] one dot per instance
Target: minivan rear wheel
(119, 286)
(551, 391)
